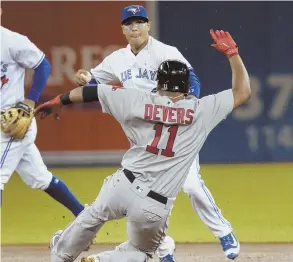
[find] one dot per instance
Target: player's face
(136, 31)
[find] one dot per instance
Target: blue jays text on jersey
(142, 73)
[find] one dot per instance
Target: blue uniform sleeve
(194, 84)
(40, 79)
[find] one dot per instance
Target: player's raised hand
(50, 107)
(82, 77)
(224, 43)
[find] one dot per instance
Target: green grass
(256, 199)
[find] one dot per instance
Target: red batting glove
(224, 43)
(50, 107)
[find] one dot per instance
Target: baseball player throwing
(18, 126)
(167, 130)
(136, 67)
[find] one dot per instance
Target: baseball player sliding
(18, 126)
(135, 67)
(167, 130)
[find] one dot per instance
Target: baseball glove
(16, 120)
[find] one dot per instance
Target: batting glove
(224, 43)
(51, 107)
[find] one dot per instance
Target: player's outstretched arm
(83, 94)
(240, 81)
(225, 44)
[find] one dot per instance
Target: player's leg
(77, 236)
(125, 252)
(204, 204)
(35, 174)
(147, 221)
(146, 227)
(11, 153)
(110, 204)
(147, 224)
(205, 207)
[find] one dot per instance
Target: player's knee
(88, 219)
(190, 188)
(40, 181)
(192, 184)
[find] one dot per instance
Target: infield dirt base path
(184, 253)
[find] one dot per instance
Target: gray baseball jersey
(165, 136)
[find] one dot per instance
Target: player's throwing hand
(224, 43)
(82, 77)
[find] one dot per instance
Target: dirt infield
(184, 253)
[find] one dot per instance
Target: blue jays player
(136, 67)
(22, 155)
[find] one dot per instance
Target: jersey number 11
(168, 150)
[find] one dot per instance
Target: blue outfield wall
(262, 130)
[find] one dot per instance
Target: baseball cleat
(230, 245)
(168, 258)
(55, 239)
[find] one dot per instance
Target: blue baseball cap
(134, 11)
